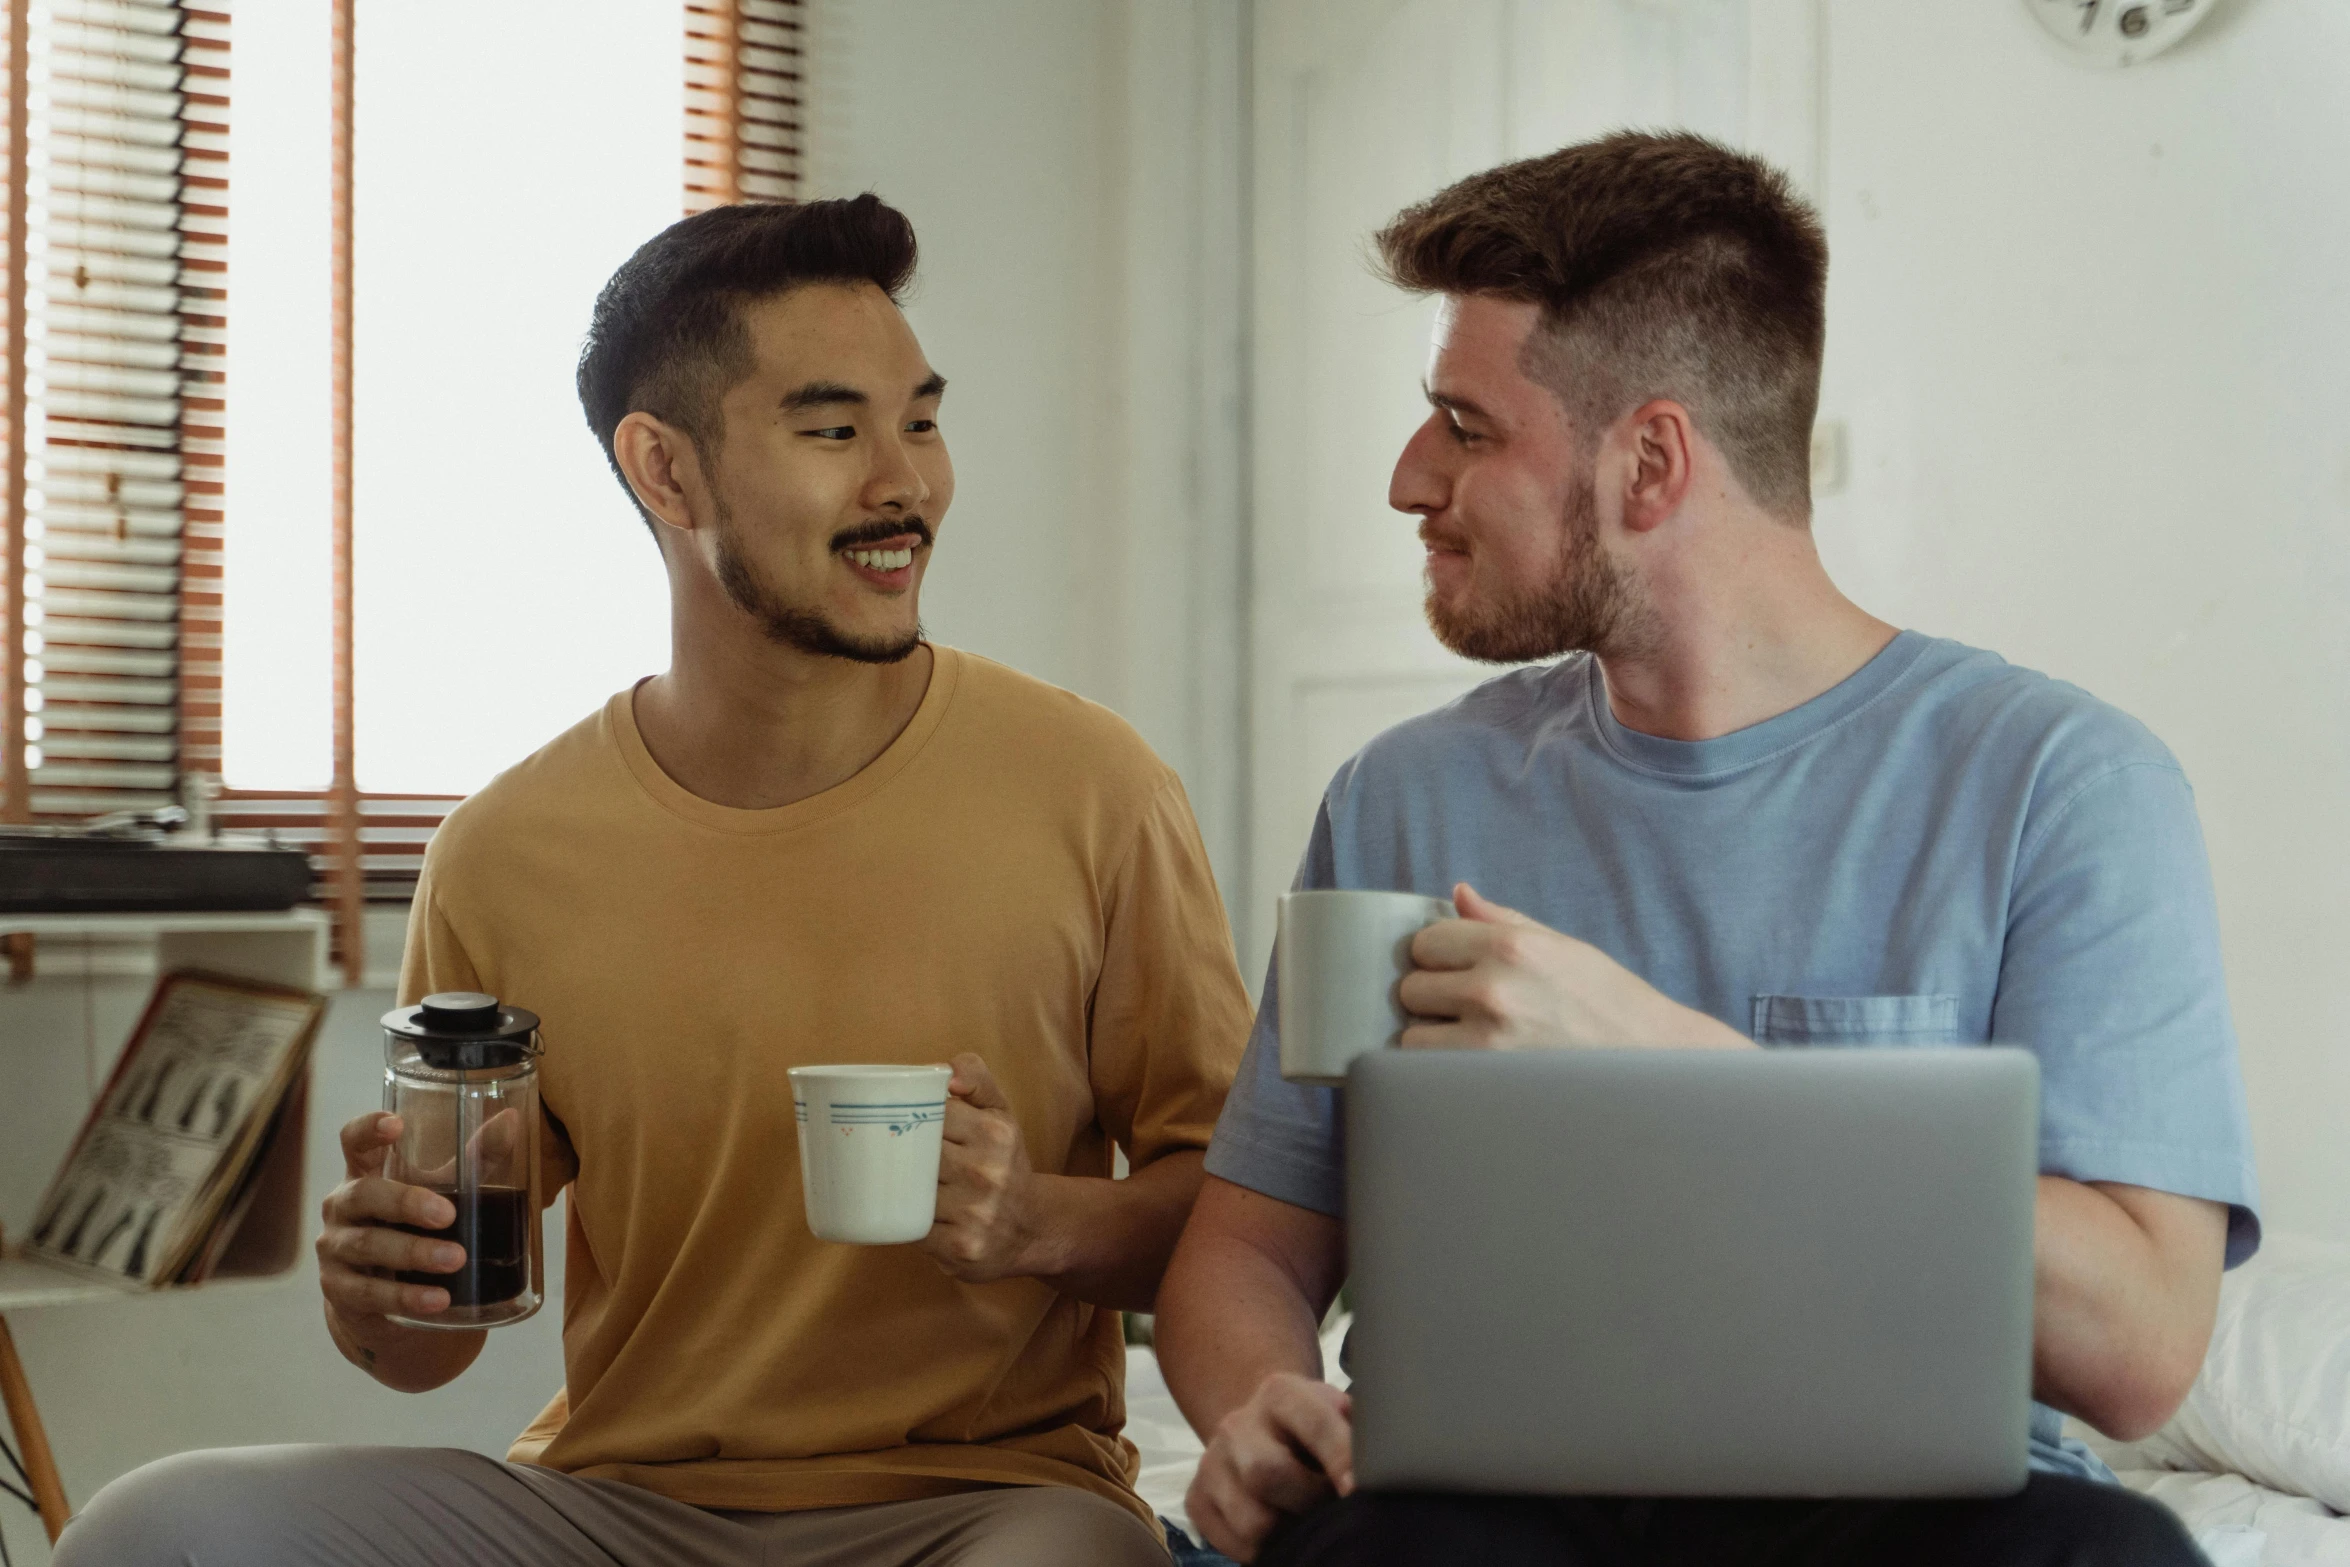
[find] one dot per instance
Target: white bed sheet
(1170, 1452)
(2240, 1524)
(2237, 1523)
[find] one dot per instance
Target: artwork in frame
(162, 1171)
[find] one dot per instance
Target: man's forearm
(1107, 1242)
(406, 1360)
(2126, 1282)
(1229, 1317)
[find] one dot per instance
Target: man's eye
(838, 432)
(1459, 435)
(922, 427)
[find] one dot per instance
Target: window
(113, 340)
(499, 585)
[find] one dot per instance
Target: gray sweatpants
(440, 1507)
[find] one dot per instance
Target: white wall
(988, 126)
(1072, 170)
(2088, 334)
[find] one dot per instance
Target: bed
(2250, 1463)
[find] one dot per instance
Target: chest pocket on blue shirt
(1856, 1020)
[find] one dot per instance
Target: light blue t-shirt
(1943, 849)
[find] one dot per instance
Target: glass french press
(462, 1074)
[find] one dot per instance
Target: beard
(1587, 603)
(796, 626)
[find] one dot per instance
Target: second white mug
(1342, 955)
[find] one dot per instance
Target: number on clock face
(2118, 32)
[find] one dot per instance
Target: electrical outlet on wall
(1828, 459)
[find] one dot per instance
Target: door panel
(1363, 107)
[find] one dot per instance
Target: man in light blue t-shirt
(1742, 812)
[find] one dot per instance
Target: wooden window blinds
(113, 343)
(744, 95)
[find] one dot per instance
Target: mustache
(882, 528)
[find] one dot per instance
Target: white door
(1362, 107)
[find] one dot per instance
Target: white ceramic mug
(869, 1144)
(1342, 956)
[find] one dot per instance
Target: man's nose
(895, 481)
(1420, 484)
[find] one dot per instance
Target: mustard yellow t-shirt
(1017, 875)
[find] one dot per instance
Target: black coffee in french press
(461, 1072)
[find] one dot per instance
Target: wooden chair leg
(31, 1441)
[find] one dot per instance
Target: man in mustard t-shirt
(815, 838)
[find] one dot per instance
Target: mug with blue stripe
(869, 1149)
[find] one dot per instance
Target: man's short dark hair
(1665, 266)
(668, 336)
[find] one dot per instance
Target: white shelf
(275, 946)
(25, 1284)
(130, 925)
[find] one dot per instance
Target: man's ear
(1662, 439)
(662, 467)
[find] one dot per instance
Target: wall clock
(2119, 32)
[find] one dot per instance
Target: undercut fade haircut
(668, 337)
(1665, 265)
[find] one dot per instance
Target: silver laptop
(1692, 1273)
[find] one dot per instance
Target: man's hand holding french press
(359, 1251)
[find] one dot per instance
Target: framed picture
(163, 1168)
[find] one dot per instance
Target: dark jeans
(2055, 1521)
(1186, 1554)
